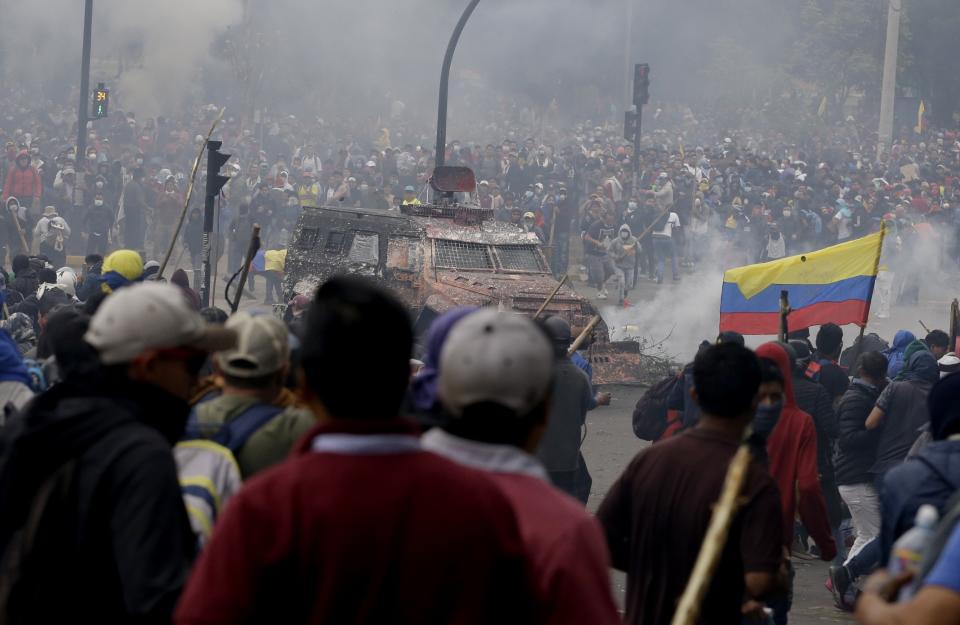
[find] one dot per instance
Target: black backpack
(650, 414)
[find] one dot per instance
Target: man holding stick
(656, 514)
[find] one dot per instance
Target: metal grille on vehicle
(519, 257)
(460, 255)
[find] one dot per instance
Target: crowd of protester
(698, 192)
(159, 462)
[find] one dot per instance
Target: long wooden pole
(550, 297)
(688, 609)
(583, 335)
(649, 228)
(784, 311)
(876, 272)
(245, 270)
(186, 202)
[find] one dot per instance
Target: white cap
(948, 364)
(497, 357)
(150, 315)
(262, 346)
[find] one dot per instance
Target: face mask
(766, 418)
(98, 202)
(139, 161)
(99, 185)
(787, 213)
(624, 235)
(561, 198)
(292, 203)
(171, 191)
(91, 157)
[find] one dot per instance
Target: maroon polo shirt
(363, 537)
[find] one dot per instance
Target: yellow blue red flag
(834, 284)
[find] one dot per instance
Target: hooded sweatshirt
(895, 353)
(792, 448)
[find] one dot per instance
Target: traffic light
(215, 160)
(641, 83)
(629, 125)
(101, 102)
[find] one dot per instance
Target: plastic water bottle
(909, 548)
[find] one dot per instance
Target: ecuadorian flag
(833, 284)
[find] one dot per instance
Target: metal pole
(84, 85)
(439, 155)
(889, 86)
(636, 149)
(628, 40)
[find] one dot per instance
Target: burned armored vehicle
(446, 253)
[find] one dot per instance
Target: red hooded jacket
(792, 448)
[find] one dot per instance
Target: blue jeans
(663, 248)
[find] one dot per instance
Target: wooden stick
(714, 541)
(784, 311)
(550, 297)
(583, 335)
(16, 221)
(649, 228)
(954, 323)
(245, 270)
(876, 271)
(186, 202)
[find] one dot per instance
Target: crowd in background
(739, 195)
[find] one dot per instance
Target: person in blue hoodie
(895, 353)
(14, 378)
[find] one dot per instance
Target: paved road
(609, 447)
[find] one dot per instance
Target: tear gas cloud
(333, 58)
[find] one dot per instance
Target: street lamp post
(889, 86)
(444, 80)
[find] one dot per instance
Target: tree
(840, 47)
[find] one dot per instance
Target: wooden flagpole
(784, 311)
(876, 272)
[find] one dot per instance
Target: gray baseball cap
(262, 348)
(495, 357)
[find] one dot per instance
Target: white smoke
(150, 52)
(175, 38)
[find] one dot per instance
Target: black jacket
(856, 448)
(813, 399)
(114, 544)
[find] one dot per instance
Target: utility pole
(440, 155)
(889, 87)
(627, 50)
(84, 87)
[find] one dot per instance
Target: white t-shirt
(673, 221)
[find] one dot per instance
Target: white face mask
(624, 235)
(787, 213)
(98, 202)
(99, 185)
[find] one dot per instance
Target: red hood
(776, 353)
